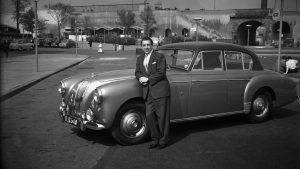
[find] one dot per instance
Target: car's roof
(196, 46)
(199, 46)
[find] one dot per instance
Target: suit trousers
(158, 118)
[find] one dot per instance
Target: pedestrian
(6, 48)
(151, 73)
(282, 65)
(291, 65)
(90, 42)
(100, 50)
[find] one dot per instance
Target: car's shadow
(101, 137)
(179, 131)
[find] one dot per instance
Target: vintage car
(67, 43)
(208, 79)
(21, 44)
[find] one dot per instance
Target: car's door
(178, 62)
(179, 84)
(239, 72)
(208, 91)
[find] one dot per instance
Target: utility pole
(147, 17)
(36, 37)
(280, 34)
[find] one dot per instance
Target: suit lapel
(150, 62)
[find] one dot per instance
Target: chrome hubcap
(133, 124)
(260, 105)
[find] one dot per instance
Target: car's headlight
(97, 96)
(62, 88)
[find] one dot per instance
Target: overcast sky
(180, 4)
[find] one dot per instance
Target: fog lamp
(89, 115)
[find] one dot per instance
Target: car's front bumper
(81, 123)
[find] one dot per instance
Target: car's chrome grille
(75, 97)
(81, 90)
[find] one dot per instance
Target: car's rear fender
(282, 89)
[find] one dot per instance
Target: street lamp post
(248, 34)
(76, 45)
(36, 36)
(197, 19)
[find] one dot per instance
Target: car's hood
(114, 75)
(107, 77)
(100, 78)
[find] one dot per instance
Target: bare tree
(148, 18)
(127, 19)
(27, 20)
(60, 12)
(19, 7)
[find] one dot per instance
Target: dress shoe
(152, 145)
(161, 146)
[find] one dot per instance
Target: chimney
(264, 4)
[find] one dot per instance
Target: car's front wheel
(261, 107)
(130, 126)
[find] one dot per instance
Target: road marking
(114, 58)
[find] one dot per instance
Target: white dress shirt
(146, 60)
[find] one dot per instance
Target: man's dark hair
(147, 38)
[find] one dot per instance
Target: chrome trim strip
(206, 116)
(98, 127)
(238, 79)
(179, 81)
(209, 80)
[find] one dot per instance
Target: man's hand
(143, 80)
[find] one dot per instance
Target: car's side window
(178, 58)
(247, 61)
(237, 60)
(198, 62)
(211, 60)
(234, 60)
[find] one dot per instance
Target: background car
(67, 43)
(21, 44)
(207, 79)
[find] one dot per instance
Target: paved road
(33, 137)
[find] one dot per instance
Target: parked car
(55, 42)
(21, 44)
(207, 79)
(67, 43)
(288, 42)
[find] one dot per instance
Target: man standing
(151, 73)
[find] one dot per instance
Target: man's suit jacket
(158, 85)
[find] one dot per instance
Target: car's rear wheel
(261, 107)
(130, 126)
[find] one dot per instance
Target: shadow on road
(100, 137)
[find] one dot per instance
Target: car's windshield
(64, 41)
(178, 58)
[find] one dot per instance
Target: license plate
(71, 120)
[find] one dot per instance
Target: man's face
(146, 45)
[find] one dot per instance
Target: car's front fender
(115, 94)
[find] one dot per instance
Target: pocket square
(153, 63)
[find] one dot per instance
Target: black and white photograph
(150, 84)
